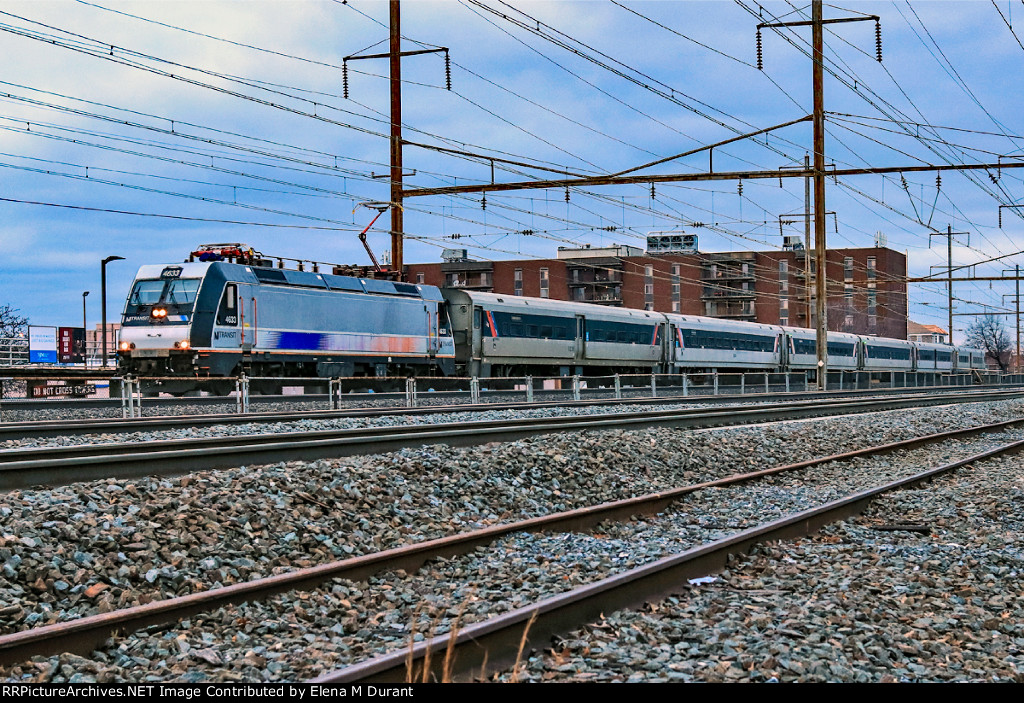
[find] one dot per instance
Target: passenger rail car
(220, 319)
(497, 335)
(217, 319)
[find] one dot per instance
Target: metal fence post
(410, 392)
(686, 390)
(714, 377)
(842, 375)
(129, 388)
(474, 390)
(787, 382)
(654, 387)
(575, 387)
(529, 389)
(618, 387)
(743, 384)
(766, 382)
(335, 393)
(242, 394)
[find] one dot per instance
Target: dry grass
(522, 646)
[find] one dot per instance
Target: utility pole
(397, 224)
(821, 281)
(949, 269)
(1016, 298)
(818, 175)
(807, 239)
(396, 174)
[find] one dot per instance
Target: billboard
(71, 345)
(42, 345)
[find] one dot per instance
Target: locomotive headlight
(159, 313)
(124, 346)
(183, 344)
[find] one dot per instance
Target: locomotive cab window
(181, 291)
(146, 292)
(227, 313)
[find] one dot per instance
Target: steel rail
(20, 468)
(170, 403)
(494, 644)
(66, 428)
(85, 634)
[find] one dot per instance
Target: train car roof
(718, 323)
(550, 305)
(241, 273)
(807, 333)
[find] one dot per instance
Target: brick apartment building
(867, 291)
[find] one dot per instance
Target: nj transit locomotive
(217, 319)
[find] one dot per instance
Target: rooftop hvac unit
(661, 243)
(793, 242)
(452, 255)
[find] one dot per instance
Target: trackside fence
(244, 394)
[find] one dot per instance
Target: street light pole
(85, 293)
(103, 301)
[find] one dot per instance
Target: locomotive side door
(433, 339)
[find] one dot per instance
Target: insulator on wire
(991, 177)
(483, 202)
(903, 180)
(652, 191)
(739, 188)
(938, 181)
(760, 62)
(447, 71)
(878, 40)
(344, 79)
(567, 194)
(1000, 218)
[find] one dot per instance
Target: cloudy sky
(142, 129)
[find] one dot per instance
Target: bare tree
(989, 334)
(11, 323)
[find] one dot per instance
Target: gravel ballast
(465, 488)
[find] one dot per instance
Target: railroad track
(494, 642)
(21, 468)
(71, 428)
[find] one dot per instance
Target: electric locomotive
(219, 319)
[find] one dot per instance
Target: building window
(648, 287)
(544, 283)
(420, 278)
(485, 278)
(518, 282)
(871, 268)
(676, 306)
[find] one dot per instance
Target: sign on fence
(43, 389)
(42, 345)
(71, 345)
